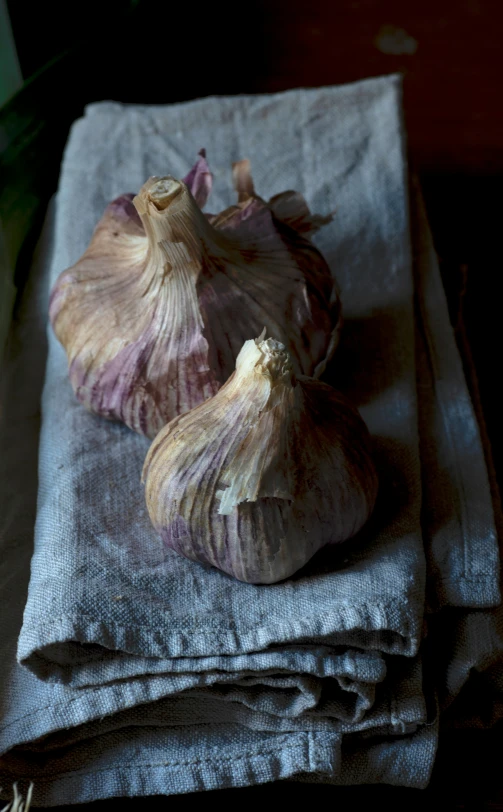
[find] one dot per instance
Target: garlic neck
(178, 232)
(260, 465)
(265, 362)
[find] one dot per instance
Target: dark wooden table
(450, 57)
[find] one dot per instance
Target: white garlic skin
(257, 479)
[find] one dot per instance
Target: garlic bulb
(155, 312)
(258, 478)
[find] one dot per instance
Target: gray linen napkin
(100, 576)
(237, 684)
(305, 654)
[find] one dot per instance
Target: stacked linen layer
(167, 676)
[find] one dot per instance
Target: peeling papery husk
(257, 479)
(153, 315)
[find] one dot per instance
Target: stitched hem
(293, 754)
(397, 627)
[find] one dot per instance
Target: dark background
(450, 55)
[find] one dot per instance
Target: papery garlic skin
(257, 479)
(153, 315)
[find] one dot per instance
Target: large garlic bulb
(155, 312)
(258, 478)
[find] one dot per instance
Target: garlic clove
(155, 312)
(257, 479)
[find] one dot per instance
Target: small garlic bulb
(155, 312)
(257, 479)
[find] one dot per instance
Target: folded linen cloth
(167, 676)
(100, 576)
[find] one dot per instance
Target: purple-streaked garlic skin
(199, 180)
(260, 477)
(155, 312)
(298, 303)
